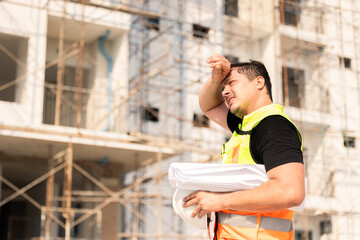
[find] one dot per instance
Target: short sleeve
(275, 141)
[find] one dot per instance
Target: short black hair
(253, 69)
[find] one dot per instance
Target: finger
(201, 214)
(223, 66)
(220, 62)
(190, 202)
(190, 196)
(212, 65)
(215, 58)
(218, 69)
(216, 73)
(196, 211)
(224, 62)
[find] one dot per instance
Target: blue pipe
(109, 60)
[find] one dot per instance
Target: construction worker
(238, 97)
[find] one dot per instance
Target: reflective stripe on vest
(267, 223)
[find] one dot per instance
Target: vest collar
(247, 122)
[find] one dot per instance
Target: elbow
(296, 201)
(205, 109)
(295, 197)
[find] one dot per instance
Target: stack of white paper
(216, 177)
(190, 177)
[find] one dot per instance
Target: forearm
(210, 95)
(267, 197)
(284, 189)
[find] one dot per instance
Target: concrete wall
(175, 70)
(329, 106)
(29, 23)
(41, 47)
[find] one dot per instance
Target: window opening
(303, 235)
(67, 110)
(325, 227)
(346, 62)
(200, 31)
(231, 8)
(349, 142)
(292, 12)
(200, 120)
(9, 68)
(150, 114)
(295, 80)
(153, 24)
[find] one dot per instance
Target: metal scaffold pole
(49, 199)
(61, 66)
(80, 67)
(68, 174)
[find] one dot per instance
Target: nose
(225, 90)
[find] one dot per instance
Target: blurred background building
(98, 97)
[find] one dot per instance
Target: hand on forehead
(230, 74)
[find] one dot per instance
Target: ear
(260, 82)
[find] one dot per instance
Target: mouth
(230, 100)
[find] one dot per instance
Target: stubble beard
(236, 111)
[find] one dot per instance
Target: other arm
(284, 189)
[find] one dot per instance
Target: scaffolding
(307, 41)
(166, 53)
(73, 212)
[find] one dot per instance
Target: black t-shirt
(273, 142)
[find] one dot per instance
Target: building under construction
(98, 97)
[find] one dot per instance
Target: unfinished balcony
(303, 22)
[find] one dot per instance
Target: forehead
(230, 74)
(233, 73)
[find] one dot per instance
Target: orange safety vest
(252, 225)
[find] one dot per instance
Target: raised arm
(210, 99)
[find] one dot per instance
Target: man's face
(239, 92)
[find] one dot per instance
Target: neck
(253, 107)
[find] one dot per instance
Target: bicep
(289, 172)
(290, 177)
